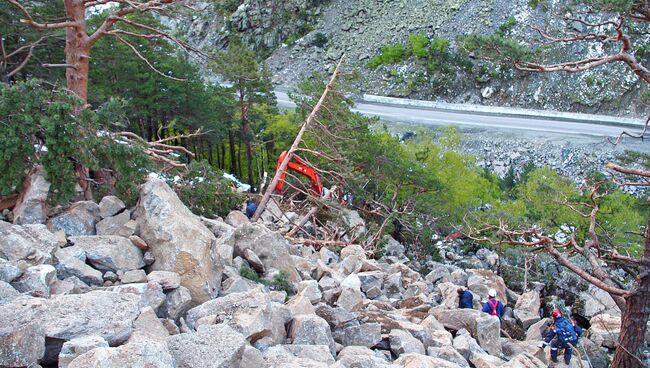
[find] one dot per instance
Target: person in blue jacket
(251, 207)
(493, 306)
(465, 299)
(562, 334)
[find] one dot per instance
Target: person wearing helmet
(562, 334)
(493, 306)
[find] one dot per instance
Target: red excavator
(301, 167)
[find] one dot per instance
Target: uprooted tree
(611, 26)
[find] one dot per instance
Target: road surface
(402, 114)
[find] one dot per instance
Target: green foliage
(206, 192)
(247, 272)
(36, 117)
(417, 45)
(506, 26)
(497, 48)
(320, 40)
(280, 281)
(390, 54)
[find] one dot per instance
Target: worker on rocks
(493, 306)
(563, 334)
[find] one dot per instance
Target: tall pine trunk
(77, 50)
(635, 316)
(233, 154)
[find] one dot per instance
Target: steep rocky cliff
(299, 37)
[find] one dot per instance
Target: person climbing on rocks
(465, 299)
(562, 334)
(493, 306)
(251, 207)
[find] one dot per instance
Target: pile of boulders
(103, 285)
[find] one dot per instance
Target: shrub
(320, 39)
(206, 192)
(390, 54)
(418, 45)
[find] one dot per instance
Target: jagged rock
(524, 360)
(253, 260)
(33, 244)
(134, 277)
(372, 279)
(65, 317)
(110, 206)
(354, 224)
(367, 334)
(319, 353)
(137, 355)
(361, 357)
(110, 253)
(487, 333)
(217, 346)
(271, 248)
(9, 271)
(393, 286)
(150, 294)
(177, 302)
(110, 276)
(526, 309)
(168, 280)
(512, 348)
(128, 229)
(280, 356)
(113, 225)
(31, 207)
(311, 330)
(309, 288)
(149, 258)
(440, 338)
(248, 313)
(605, 330)
(466, 345)
(36, 280)
(21, 345)
(525, 319)
(449, 293)
(485, 360)
(480, 281)
(351, 297)
(71, 261)
(236, 218)
(353, 250)
(147, 327)
(178, 240)
(393, 247)
(335, 316)
(170, 325)
(79, 219)
(537, 331)
(448, 353)
(77, 346)
(402, 342)
(597, 301)
(69, 285)
(437, 273)
(414, 360)
(457, 319)
(7, 292)
(327, 256)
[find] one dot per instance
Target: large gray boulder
(361, 357)
(110, 206)
(7, 292)
(34, 244)
(9, 270)
(109, 252)
(113, 225)
(415, 360)
(178, 240)
(168, 280)
(480, 281)
(402, 342)
(64, 317)
(488, 333)
(311, 330)
(21, 345)
(36, 281)
(147, 354)
(249, 313)
(367, 334)
(597, 301)
(150, 294)
(77, 346)
(177, 302)
(71, 261)
(448, 353)
(31, 207)
(527, 309)
(270, 247)
(79, 219)
(217, 346)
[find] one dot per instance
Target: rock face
(311, 330)
(31, 207)
(33, 244)
(79, 219)
(71, 261)
(178, 240)
(21, 346)
(110, 253)
(217, 346)
(65, 317)
(270, 247)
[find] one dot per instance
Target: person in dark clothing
(563, 334)
(465, 299)
(251, 207)
(493, 306)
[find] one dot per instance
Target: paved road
(390, 113)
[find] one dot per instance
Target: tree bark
(77, 50)
(634, 319)
(233, 154)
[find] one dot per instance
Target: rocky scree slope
(102, 285)
(299, 37)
